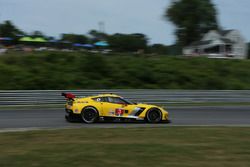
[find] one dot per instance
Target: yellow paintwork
(107, 109)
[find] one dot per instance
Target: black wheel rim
(89, 115)
(154, 115)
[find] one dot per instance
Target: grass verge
(173, 146)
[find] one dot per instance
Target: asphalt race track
(188, 116)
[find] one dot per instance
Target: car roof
(105, 95)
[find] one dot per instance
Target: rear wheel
(89, 115)
(69, 117)
(154, 115)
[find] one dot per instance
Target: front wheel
(89, 115)
(154, 115)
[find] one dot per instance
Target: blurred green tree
(74, 38)
(128, 42)
(249, 50)
(159, 49)
(8, 29)
(96, 36)
(37, 33)
(192, 19)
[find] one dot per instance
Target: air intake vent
(139, 111)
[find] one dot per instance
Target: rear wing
(69, 96)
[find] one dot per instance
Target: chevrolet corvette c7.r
(111, 107)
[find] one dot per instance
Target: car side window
(100, 99)
(116, 100)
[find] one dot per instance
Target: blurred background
(115, 44)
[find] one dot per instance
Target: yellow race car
(111, 107)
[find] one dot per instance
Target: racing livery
(111, 107)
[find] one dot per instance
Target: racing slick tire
(154, 115)
(89, 114)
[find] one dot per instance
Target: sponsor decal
(116, 112)
(82, 102)
(119, 111)
(111, 113)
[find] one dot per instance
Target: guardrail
(50, 97)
